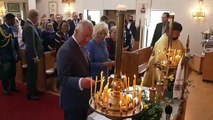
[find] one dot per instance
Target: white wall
(182, 9)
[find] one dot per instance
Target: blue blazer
(71, 66)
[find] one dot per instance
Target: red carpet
(18, 107)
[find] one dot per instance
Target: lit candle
(96, 80)
(91, 88)
(134, 86)
(125, 82)
(153, 77)
(133, 104)
(121, 7)
(101, 87)
(120, 103)
(101, 75)
(128, 85)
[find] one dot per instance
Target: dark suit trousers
(75, 114)
(8, 74)
(31, 77)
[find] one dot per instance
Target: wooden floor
(200, 100)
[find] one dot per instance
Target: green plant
(152, 111)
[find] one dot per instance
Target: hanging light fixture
(199, 13)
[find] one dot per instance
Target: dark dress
(111, 49)
(60, 38)
(48, 40)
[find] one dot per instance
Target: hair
(9, 17)
(51, 15)
(113, 28)
(100, 27)
(177, 26)
(167, 14)
(80, 14)
(104, 18)
(32, 14)
(80, 26)
(64, 21)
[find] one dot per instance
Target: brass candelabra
(115, 100)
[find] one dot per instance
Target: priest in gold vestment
(160, 51)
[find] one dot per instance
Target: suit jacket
(8, 48)
(132, 30)
(33, 41)
(72, 27)
(71, 66)
(22, 23)
(157, 33)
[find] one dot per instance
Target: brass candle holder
(115, 101)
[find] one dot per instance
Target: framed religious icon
(53, 8)
(68, 1)
(13, 7)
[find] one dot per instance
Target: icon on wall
(13, 7)
(52, 8)
(143, 8)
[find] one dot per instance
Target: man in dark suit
(55, 24)
(33, 53)
(131, 32)
(74, 73)
(72, 23)
(9, 49)
(89, 18)
(160, 28)
(21, 22)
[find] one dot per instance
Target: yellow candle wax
(134, 86)
(128, 85)
(120, 103)
(91, 88)
(96, 80)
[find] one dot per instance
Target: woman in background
(98, 53)
(48, 37)
(62, 35)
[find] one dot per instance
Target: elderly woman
(98, 53)
(48, 37)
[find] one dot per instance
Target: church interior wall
(181, 8)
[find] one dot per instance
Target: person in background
(98, 52)
(21, 22)
(59, 18)
(33, 52)
(131, 29)
(74, 73)
(111, 44)
(9, 54)
(42, 24)
(62, 34)
(48, 37)
(72, 23)
(105, 19)
(17, 33)
(111, 23)
(80, 16)
(52, 19)
(160, 28)
(89, 18)
(159, 53)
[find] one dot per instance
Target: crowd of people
(82, 49)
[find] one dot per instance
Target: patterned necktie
(85, 54)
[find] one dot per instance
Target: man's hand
(85, 82)
(36, 60)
